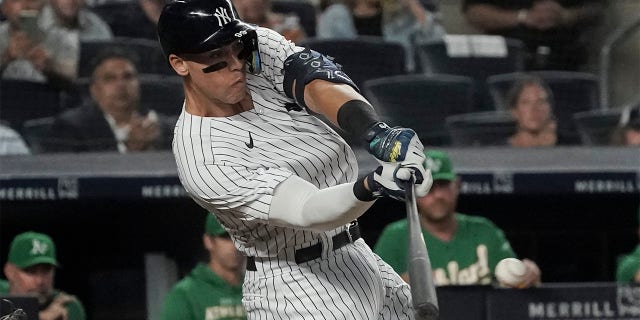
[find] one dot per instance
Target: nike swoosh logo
(250, 144)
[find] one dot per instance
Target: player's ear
(179, 65)
(207, 241)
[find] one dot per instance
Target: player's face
(219, 74)
(252, 11)
(225, 253)
(12, 8)
(35, 280)
(533, 110)
(115, 86)
(440, 202)
(632, 137)
(66, 9)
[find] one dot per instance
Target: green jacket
(75, 309)
(203, 295)
(469, 258)
(628, 266)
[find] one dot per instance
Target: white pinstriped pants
(349, 283)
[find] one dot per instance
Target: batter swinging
(281, 182)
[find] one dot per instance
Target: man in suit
(113, 120)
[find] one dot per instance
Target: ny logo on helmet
(222, 15)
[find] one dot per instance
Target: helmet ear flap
(250, 52)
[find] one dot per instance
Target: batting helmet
(196, 26)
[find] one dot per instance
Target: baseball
(510, 272)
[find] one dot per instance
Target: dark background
(101, 244)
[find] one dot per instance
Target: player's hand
(382, 182)
(399, 145)
(56, 310)
(533, 275)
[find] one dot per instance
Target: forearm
(299, 204)
(488, 18)
(326, 98)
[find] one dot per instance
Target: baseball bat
(423, 290)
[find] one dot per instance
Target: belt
(313, 252)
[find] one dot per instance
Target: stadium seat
(148, 53)
(37, 133)
(488, 128)
(421, 102)
(362, 58)
(595, 127)
(304, 10)
(474, 56)
(21, 100)
(573, 92)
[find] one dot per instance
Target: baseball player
(283, 184)
(463, 249)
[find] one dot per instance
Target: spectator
(212, 290)
(30, 270)
(628, 266)
(463, 249)
(531, 104)
(11, 142)
(553, 31)
(259, 12)
(627, 133)
(406, 22)
(72, 16)
(113, 120)
(135, 19)
(30, 53)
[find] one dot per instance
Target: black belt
(313, 252)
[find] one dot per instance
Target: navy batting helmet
(196, 26)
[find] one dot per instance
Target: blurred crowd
(90, 76)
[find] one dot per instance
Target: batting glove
(382, 182)
(388, 180)
(397, 145)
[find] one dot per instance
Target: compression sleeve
(299, 204)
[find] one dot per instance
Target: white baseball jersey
(231, 166)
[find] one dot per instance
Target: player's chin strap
(306, 66)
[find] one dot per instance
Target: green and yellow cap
(31, 248)
(439, 164)
(213, 227)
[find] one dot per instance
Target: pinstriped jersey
(231, 165)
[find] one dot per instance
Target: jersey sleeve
(237, 190)
(274, 50)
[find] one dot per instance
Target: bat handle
(423, 292)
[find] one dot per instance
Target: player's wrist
(362, 189)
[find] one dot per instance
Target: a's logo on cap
(433, 165)
(222, 15)
(38, 248)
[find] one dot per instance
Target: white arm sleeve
(299, 204)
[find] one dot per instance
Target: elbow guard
(306, 66)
